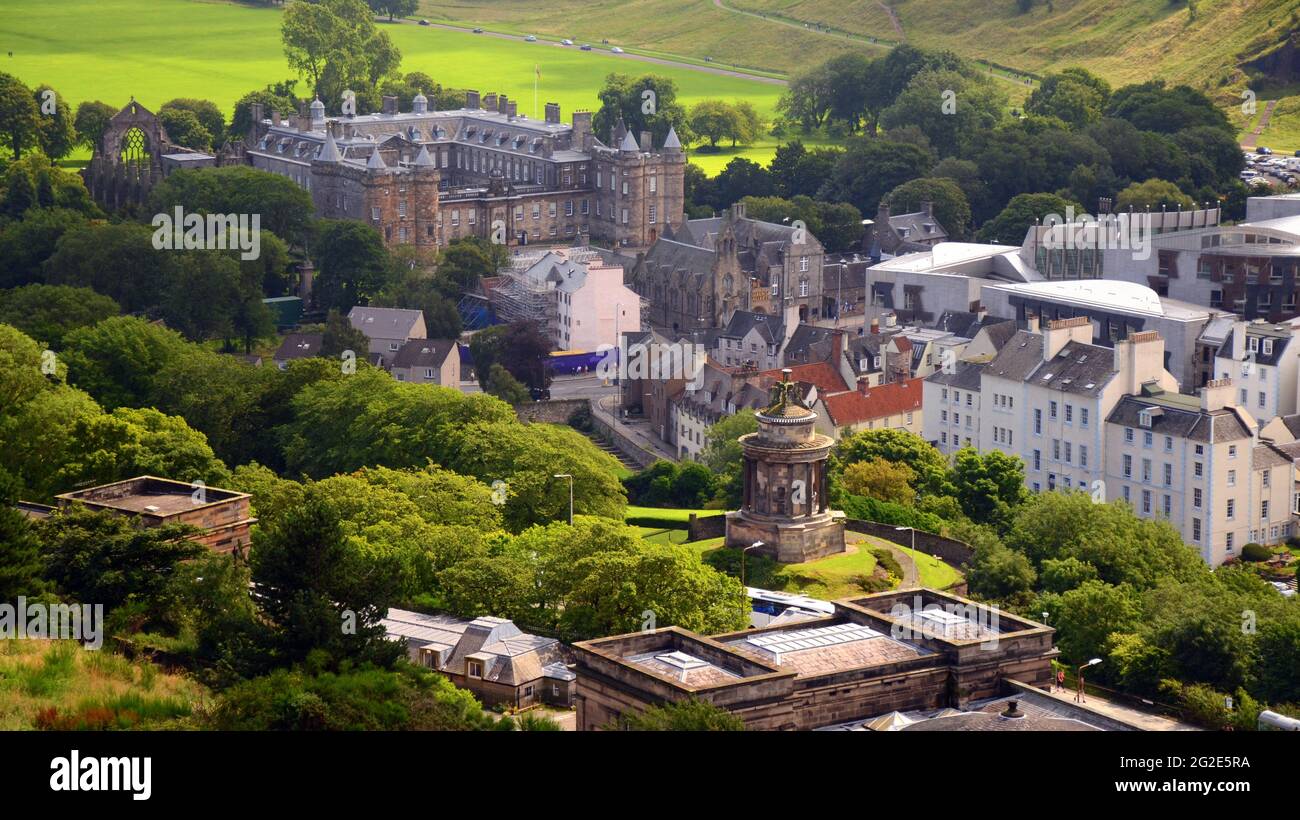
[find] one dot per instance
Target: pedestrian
(1060, 680)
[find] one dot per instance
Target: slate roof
(299, 346)
(966, 377)
(1281, 339)
(424, 353)
(743, 321)
(385, 323)
(1180, 422)
(509, 655)
(1077, 368)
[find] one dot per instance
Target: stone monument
(785, 499)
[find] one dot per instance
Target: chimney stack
(1061, 332)
(503, 104)
(1216, 395)
(553, 112)
(390, 105)
(875, 327)
(471, 100)
(647, 144)
(512, 110)
(490, 101)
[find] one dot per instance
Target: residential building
(577, 299)
(1262, 361)
(297, 346)
(387, 329)
(1201, 465)
(890, 406)
(428, 361)
(491, 657)
(1046, 396)
(952, 410)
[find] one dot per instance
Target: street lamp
(913, 556)
(1079, 696)
(570, 477)
(744, 550)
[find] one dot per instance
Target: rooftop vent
(1012, 711)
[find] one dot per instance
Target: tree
(319, 594)
(951, 208)
(48, 312)
(105, 558)
(1073, 95)
(1152, 106)
(91, 119)
(341, 335)
(948, 107)
(505, 386)
(519, 347)
(353, 263)
(741, 178)
(27, 243)
(118, 360)
(624, 98)
(999, 573)
(898, 447)
(869, 169)
(337, 47)
(723, 454)
(989, 485)
(797, 170)
(20, 553)
(681, 716)
(880, 479)
(284, 207)
(271, 98)
(714, 120)
(118, 261)
(1087, 615)
(406, 698)
(185, 129)
(58, 134)
(1023, 212)
(465, 261)
(20, 124)
(1153, 195)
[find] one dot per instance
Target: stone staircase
(614, 451)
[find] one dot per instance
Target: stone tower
(785, 500)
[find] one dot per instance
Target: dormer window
(1268, 347)
(1144, 418)
(473, 668)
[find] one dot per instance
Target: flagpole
(536, 73)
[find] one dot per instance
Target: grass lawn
(935, 574)
(36, 675)
(828, 578)
(112, 50)
(667, 513)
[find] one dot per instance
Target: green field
(156, 50)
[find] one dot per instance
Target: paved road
(638, 431)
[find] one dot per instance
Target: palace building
(425, 177)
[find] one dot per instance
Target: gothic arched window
(135, 148)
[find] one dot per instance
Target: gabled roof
(299, 346)
(1180, 422)
(385, 323)
(1077, 368)
(890, 399)
(743, 321)
(965, 377)
(424, 353)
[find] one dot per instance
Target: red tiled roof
(822, 375)
(853, 407)
(902, 343)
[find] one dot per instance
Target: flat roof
(150, 495)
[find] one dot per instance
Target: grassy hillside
(88, 689)
(1124, 41)
(112, 50)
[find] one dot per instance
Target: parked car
(585, 47)
(532, 38)
(566, 42)
(478, 31)
(424, 22)
(1264, 150)
(616, 50)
